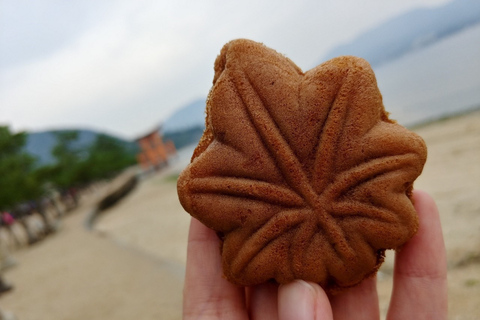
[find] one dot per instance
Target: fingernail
(296, 301)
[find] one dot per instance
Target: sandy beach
(131, 265)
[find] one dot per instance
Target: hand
(419, 283)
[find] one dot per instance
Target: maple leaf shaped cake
(302, 175)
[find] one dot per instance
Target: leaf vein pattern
(249, 188)
(288, 163)
(368, 171)
(276, 226)
(330, 134)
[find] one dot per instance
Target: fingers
(359, 302)
(263, 301)
(206, 294)
(302, 300)
(420, 274)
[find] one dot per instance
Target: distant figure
(4, 286)
(6, 315)
(40, 207)
(6, 260)
(7, 221)
(22, 213)
(55, 198)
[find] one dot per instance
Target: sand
(79, 274)
(452, 177)
(131, 265)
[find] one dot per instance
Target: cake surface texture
(302, 175)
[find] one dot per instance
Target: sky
(122, 67)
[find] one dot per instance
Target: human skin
(419, 283)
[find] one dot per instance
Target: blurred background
(102, 103)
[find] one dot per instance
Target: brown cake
(302, 175)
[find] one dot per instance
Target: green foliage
(11, 143)
(171, 178)
(21, 180)
(103, 159)
(64, 150)
(64, 173)
(106, 157)
(18, 182)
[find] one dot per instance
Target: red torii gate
(154, 152)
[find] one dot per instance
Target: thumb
(302, 300)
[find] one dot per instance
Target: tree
(17, 179)
(106, 157)
(74, 166)
(64, 173)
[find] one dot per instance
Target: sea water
(433, 82)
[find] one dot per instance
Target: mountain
(410, 31)
(435, 82)
(425, 61)
(40, 144)
(190, 116)
(185, 137)
(185, 126)
(419, 45)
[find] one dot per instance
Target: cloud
(126, 72)
(109, 65)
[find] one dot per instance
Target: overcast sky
(122, 67)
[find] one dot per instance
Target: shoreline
(444, 117)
